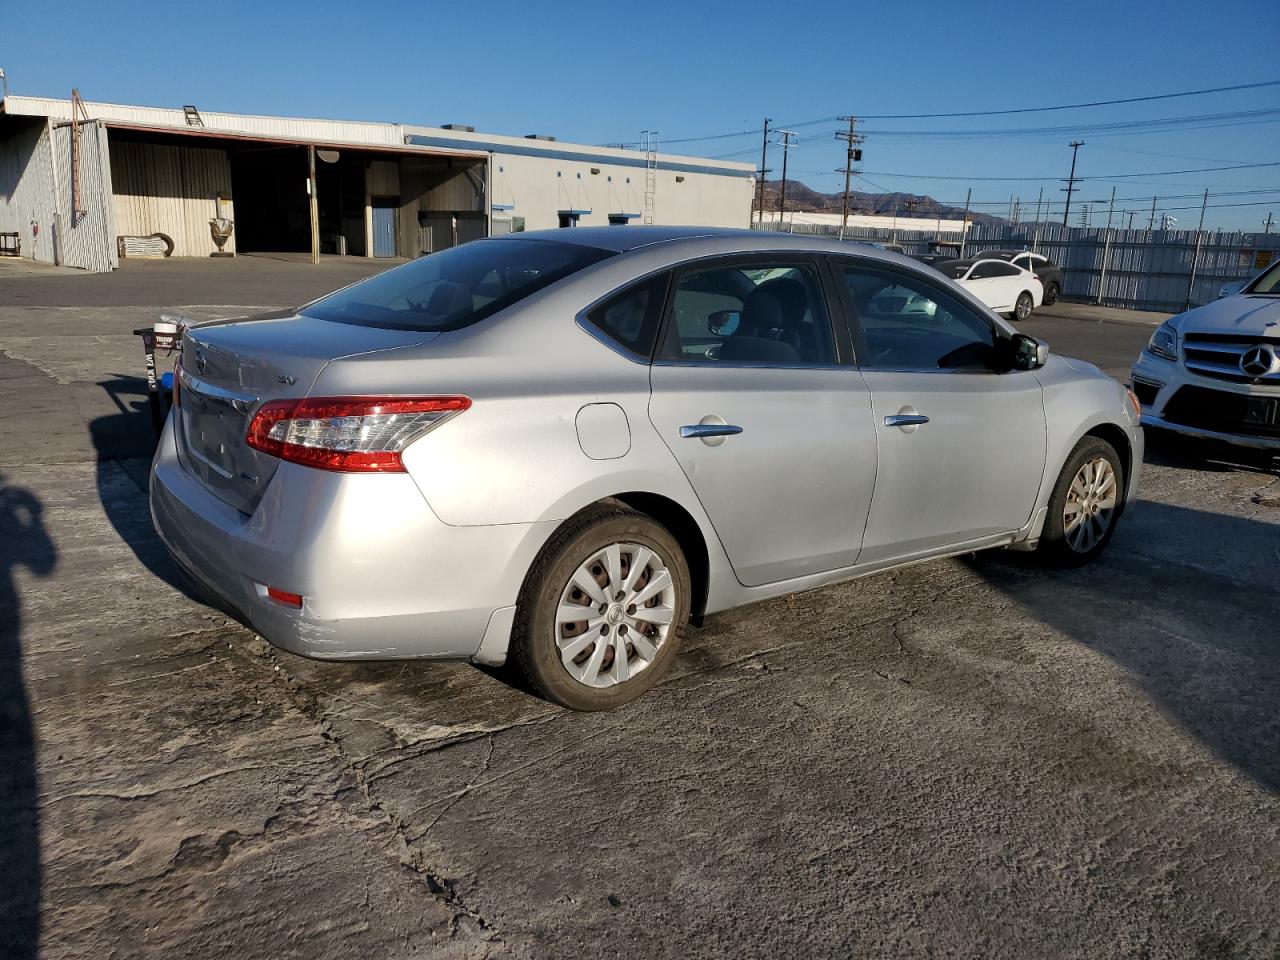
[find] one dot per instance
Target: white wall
(26, 190)
(539, 187)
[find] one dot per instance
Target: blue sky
(600, 72)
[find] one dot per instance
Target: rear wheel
(1084, 506)
(1023, 306)
(603, 611)
(1051, 294)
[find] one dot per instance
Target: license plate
(1261, 411)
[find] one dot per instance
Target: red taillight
(348, 434)
(285, 597)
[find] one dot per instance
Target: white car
(1005, 287)
(1214, 372)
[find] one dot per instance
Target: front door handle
(905, 420)
(700, 431)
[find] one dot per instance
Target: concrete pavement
(966, 758)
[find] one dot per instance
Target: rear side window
(630, 317)
(456, 287)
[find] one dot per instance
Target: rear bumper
(381, 577)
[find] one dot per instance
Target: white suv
(1214, 371)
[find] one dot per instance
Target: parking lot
(972, 757)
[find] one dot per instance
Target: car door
(760, 405)
(982, 283)
(961, 446)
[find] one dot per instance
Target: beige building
(83, 186)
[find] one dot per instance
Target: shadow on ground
(125, 442)
(1201, 643)
(24, 543)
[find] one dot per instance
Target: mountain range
(904, 205)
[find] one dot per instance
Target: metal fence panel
(1163, 270)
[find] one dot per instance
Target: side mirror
(1028, 352)
(1232, 288)
(723, 323)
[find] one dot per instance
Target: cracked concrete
(971, 758)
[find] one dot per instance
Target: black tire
(534, 651)
(1023, 306)
(1056, 548)
(1051, 293)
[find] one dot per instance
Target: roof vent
(538, 136)
(460, 127)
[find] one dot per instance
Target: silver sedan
(562, 448)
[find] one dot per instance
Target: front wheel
(1084, 505)
(603, 610)
(1023, 306)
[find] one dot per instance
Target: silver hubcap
(1023, 308)
(615, 614)
(1091, 504)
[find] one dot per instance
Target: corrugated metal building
(323, 186)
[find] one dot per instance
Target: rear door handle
(905, 420)
(700, 431)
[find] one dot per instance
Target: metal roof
(353, 134)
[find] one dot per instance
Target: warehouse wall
(87, 241)
(539, 187)
(27, 195)
(171, 189)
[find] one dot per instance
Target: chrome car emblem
(1258, 361)
(286, 380)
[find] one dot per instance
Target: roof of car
(703, 239)
(622, 239)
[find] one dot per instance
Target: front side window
(908, 323)
(456, 287)
(754, 313)
(993, 268)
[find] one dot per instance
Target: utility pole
(1266, 227)
(1111, 209)
(786, 150)
(853, 154)
(764, 156)
(1038, 199)
(1203, 204)
(1131, 213)
(1075, 146)
(964, 223)
(1152, 225)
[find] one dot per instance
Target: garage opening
(273, 211)
(369, 202)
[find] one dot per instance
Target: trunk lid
(231, 367)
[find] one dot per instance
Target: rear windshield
(956, 269)
(456, 287)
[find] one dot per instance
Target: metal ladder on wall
(192, 115)
(649, 143)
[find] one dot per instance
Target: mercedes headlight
(1164, 342)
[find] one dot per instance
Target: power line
(995, 113)
(1112, 176)
(1072, 106)
(1111, 128)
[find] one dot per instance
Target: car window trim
(781, 257)
(854, 322)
